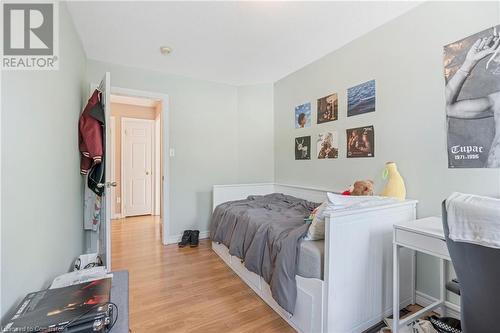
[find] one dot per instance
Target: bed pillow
(340, 202)
(347, 200)
(317, 228)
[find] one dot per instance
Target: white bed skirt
(356, 292)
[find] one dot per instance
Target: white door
(104, 245)
(137, 164)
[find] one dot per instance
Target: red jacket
(90, 138)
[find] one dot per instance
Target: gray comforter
(265, 231)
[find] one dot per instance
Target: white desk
(426, 236)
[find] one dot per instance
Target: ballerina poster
(472, 93)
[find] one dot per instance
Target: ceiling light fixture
(165, 50)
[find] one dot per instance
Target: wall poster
(303, 115)
(361, 142)
(361, 98)
(472, 93)
(327, 145)
(303, 148)
(328, 108)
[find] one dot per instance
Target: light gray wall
(255, 133)
(41, 184)
(405, 56)
(211, 142)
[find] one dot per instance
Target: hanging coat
(90, 134)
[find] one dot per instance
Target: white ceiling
(231, 42)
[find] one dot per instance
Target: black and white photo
(472, 75)
(303, 148)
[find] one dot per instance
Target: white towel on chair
(474, 219)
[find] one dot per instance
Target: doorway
(101, 242)
(137, 125)
(137, 178)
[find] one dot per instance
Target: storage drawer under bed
(244, 273)
(236, 264)
(222, 251)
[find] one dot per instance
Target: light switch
(172, 152)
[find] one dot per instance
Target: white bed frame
(357, 289)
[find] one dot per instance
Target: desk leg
(395, 290)
(442, 280)
(413, 277)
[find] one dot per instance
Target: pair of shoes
(190, 237)
(446, 324)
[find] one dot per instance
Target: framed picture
(328, 108)
(361, 98)
(303, 115)
(472, 93)
(361, 142)
(327, 145)
(303, 148)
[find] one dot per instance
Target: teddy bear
(360, 187)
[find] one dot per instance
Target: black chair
(478, 273)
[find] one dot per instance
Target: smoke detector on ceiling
(165, 50)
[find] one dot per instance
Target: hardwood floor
(184, 290)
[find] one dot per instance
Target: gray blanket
(265, 231)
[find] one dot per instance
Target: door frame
(165, 142)
(154, 181)
(112, 152)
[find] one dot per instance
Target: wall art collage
(360, 141)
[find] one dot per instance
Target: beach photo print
(361, 99)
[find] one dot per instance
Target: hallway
(184, 290)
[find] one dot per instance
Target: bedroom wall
(255, 133)
(207, 133)
(41, 230)
(405, 57)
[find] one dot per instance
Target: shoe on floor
(446, 324)
(185, 239)
(195, 238)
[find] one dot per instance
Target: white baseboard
(174, 239)
(374, 321)
(452, 310)
(117, 216)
